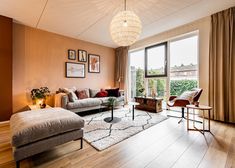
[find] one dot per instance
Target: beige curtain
(222, 65)
(121, 69)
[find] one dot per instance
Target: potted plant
(39, 96)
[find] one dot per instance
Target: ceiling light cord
(124, 5)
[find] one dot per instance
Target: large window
(183, 64)
(136, 83)
(156, 60)
(152, 74)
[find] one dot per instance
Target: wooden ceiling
(89, 19)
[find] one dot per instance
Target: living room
(127, 83)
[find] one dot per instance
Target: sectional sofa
(63, 99)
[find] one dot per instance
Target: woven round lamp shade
(125, 28)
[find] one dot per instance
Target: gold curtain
(121, 69)
(222, 65)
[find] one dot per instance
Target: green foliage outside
(177, 87)
(140, 82)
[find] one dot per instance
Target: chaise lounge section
(36, 131)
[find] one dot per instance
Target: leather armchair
(177, 102)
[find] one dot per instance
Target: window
(156, 60)
(148, 68)
(183, 64)
(137, 87)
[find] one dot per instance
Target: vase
(41, 103)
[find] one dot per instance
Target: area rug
(102, 135)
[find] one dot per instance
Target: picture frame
(71, 54)
(93, 63)
(74, 70)
(82, 56)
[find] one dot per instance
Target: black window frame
(146, 61)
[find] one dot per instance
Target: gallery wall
(39, 60)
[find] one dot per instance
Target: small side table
(203, 108)
(133, 104)
(35, 107)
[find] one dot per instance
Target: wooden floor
(167, 144)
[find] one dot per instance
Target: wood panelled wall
(5, 68)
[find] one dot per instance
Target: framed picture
(74, 70)
(71, 54)
(82, 56)
(93, 63)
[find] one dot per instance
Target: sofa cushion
(93, 92)
(89, 102)
(102, 94)
(84, 89)
(104, 99)
(113, 92)
(34, 125)
(82, 94)
(72, 96)
(187, 95)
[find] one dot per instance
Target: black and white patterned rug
(102, 135)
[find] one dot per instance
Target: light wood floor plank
(167, 144)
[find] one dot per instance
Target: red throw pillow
(102, 94)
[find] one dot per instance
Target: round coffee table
(111, 119)
(133, 104)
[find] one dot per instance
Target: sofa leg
(81, 143)
(17, 164)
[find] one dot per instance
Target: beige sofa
(81, 105)
(36, 131)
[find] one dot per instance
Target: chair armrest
(181, 102)
(172, 98)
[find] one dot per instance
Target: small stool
(203, 108)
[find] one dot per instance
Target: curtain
(121, 69)
(222, 66)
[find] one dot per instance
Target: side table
(133, 104)
(203, 108)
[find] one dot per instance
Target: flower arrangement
(39, 95)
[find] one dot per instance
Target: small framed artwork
(71, 54)
(74, 70)
(93, 63)
(82, 56)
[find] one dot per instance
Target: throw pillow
(113, 92)
(93, 92)
(188, 95)
(84, 89)
(102, 94)
(72, 97)
(82, 94)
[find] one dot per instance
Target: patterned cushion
(82, 94)
(188, 95)
(84, 89)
